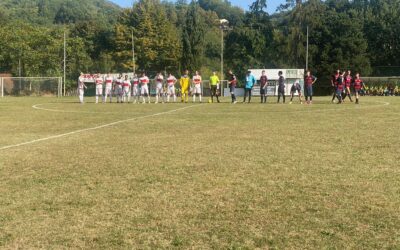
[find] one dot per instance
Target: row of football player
(342, 82)
(124, 88)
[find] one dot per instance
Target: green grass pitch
(199, 176)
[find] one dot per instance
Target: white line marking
(94, 128)
(37, 106)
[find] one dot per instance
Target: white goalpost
(31, 86)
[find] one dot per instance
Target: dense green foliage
(360, 35)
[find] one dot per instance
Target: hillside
(46, 12)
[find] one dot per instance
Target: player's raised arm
(314, 79)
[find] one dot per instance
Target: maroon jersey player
(348, 79)
(358, 85)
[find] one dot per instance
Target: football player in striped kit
(197, 80)
(81, 87)
(126, 90)
(118, 88)
(159, 87)
(99, 87)
(171, 81)
(108, 90)
(144, 89)
(135, 89)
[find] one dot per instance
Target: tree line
(359, 35)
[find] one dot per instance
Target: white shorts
(171, 90)
(135, 90)
(99, 90)
(81, 92)
(197, 89)
(159, 88)
(118, 91)
(144, 90)
(127, 91)
(108, 91)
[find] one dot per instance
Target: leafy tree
(224, 10)
(193, 38)
(155, 38)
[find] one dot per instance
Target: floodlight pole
(19, 73)
(224, 25)
(133, 55)
(307, 51)
(19, 67)
(222, 58)
(65, 58)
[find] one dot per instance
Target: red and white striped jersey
(109, 81)
(99, 80)
(197, 79)
(135, 81)
(126, 83)
(171, 80)
(144, 80)
(118, 83)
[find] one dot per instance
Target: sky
(272, 5)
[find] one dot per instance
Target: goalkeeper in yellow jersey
(185, 84)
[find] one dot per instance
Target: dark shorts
(295, 91)
(358, 91)
(263, 91)
(308, 90)
(232, 88)
(214, 89)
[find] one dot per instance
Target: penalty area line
(94, 128)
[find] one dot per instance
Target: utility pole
(133, 55)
